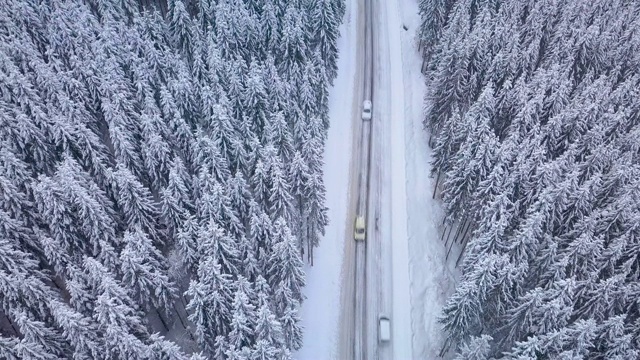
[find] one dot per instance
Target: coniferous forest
(533, 112)
(160, 175)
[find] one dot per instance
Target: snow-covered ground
(321, 310)
(431, 281)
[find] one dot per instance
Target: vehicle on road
(366, 110)
(359, 231)
(384, 328)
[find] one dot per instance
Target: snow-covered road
(390, 293)
(406, 276)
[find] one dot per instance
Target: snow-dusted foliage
(160, 175)
(533, 112)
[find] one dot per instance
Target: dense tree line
(533, 112)
(160, 175)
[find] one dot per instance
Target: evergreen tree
(286, 265)
(180, 27)
(71, 188)
(137, 203)
(40, 335)
(280, 197)
(145, 271)
(118, 316)
(478, 349)
(290, 320)
(269, 338)
(165, 350)
(243, 321)
(210, 303)
(254, 98)
(215, 242)
(187, 244)
(8, 348)
(325, 25)
(240, 197)
(79, 331)
(155, 149)
(176, 197)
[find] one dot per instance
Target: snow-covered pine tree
(8, 348)
(40, 335)
(285, 264)
(299, 179)
(240, 198)
(89, 230)
(78, 330)
(144, 270)
(280, 199)
(244, 319)
(269, 339)
(210, 304)
(187, 245)
(254, 99)
(119, 318)
(137, 204)
(177, 204)
(434, 14)
(214, 241)
(324, 25)
(155, 149)
(478, 349)
(290, 319)
(180, 28)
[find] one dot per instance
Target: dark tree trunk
(459, 230)
(464, 235)
(13, 326)
(184, 324)
(464, 246)
(183, 321)
(449, 235)
(435, 188)
(462, 225)
(162, 320)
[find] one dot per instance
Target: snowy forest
(160, 175)
(533, 113)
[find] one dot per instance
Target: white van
(384, 328)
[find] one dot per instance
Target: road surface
(346, 339)
(352, 342)
(375, 272)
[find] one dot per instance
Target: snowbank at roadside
(431, 281)
(321, 309)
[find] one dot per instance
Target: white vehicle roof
(385, 328)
